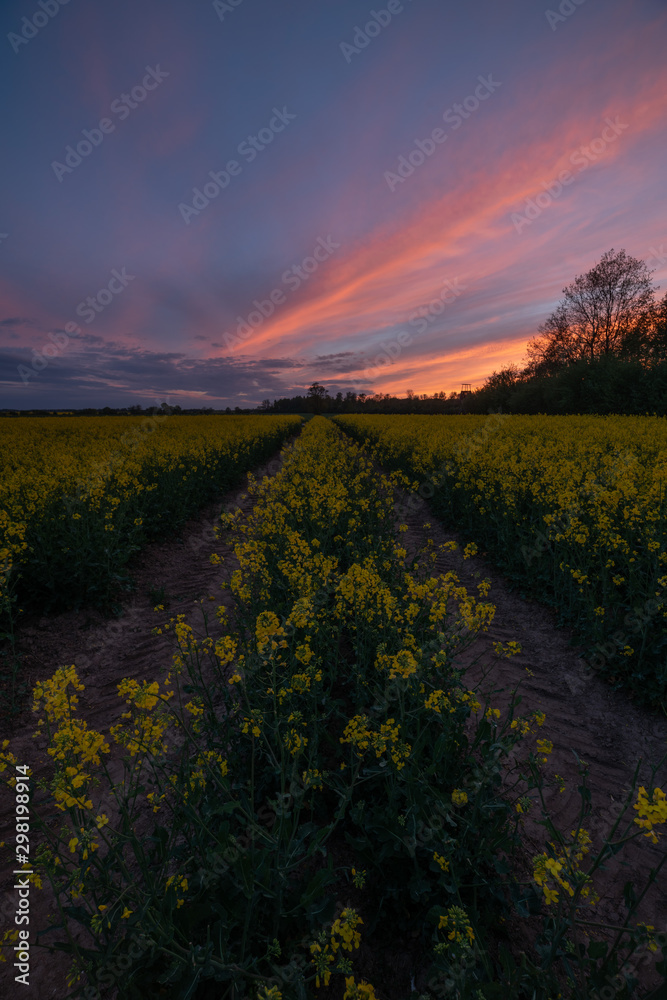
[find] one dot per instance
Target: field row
(573, 508)
(80, 495)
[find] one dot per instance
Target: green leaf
(629, 895)
(506, 960)
(597, 949)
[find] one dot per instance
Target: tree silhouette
(317, 395)
(604, 312)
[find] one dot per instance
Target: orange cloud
(366, 289)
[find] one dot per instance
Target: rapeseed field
(573, 508)
(312, 789)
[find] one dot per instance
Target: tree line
(602, 350)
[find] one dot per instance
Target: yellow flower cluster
(313, 778)
(456, 923)
(252, 725)
(86, 841)
(358, 991)
(362, 737)
(554, 869)
(55, 697)
(71, 742)
(438, 701)
(545, 868)
(403, 664)
(269, 993)
(294, 740)
(343, 936)
(225, 650)
(509, 649)
(269, 633)
(651, 811)
(524, 725)
(147, 720)
(209, 766)
(180, 887)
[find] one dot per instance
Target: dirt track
(582, 713)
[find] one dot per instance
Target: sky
(216, 203)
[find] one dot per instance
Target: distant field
(80, 495)
(573, 508)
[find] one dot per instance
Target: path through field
(582, 712)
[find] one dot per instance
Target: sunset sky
(392, 267)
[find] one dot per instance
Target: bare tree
(556, 346)
(603, 311)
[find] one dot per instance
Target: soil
(583, 714)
